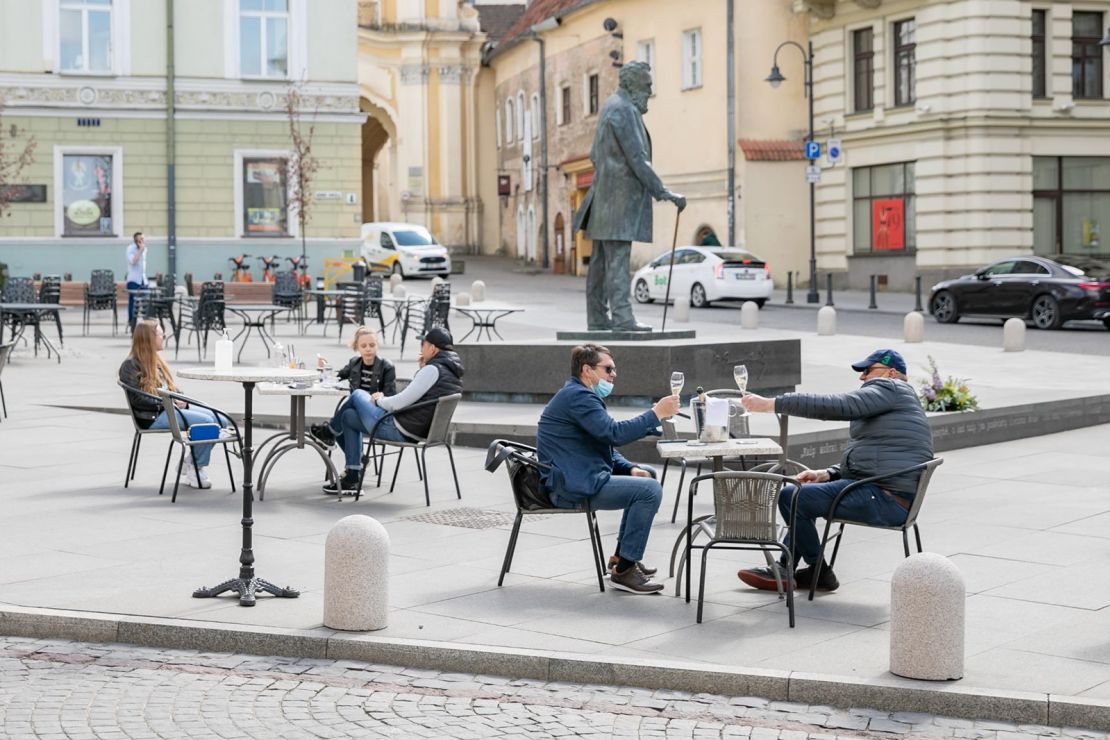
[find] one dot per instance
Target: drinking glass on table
(677, 381)
(740, 375)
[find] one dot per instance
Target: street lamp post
(775, 79)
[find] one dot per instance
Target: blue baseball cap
(887, 357)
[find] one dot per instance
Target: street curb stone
(889, 694)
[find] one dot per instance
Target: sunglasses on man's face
(609, 369)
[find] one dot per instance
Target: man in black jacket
(889, 431)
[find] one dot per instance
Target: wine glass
(677, 381)
(740, 375)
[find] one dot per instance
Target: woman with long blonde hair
(145, 369)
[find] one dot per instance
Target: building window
(85, 36)
(264, 38)
(497, 125)
(645, 52)
(863, 69)
(691, 58)
(1040, 60)
(905, 47)
(509, 118)
(520, 116)
(884, 213)
(265, 197)
(564, 105)
(1071, 202)
(1086, 55)
(535, 115)
(592, 94)
(87, 201)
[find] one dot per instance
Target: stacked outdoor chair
(50, 291)
(21, 290)
(100, 295)
(531, 497)
(202, 315)
(5, 352)
(287, 292)
(423, 316)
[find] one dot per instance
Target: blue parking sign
(813, 150)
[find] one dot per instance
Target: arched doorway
(377, 177)
(560, 263)
(705, 236)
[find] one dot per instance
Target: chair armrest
(873, 479)
(173, 395)
(391, 414)
(138, 392)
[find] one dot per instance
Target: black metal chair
(179, 431)
(140, 432)
(421, 316)
(287, 292)
(21, 290)
(5, 352)
(438, 435)
(530, 497)
(200, 316)
(50, 291)
(925, 470)
(100, 295)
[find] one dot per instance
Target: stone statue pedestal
(601, 337)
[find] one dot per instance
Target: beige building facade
(972, 130)
(88, 79)
(687, 119)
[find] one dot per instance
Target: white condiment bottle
(224, 351)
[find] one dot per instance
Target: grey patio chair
(133, 396)
(179, 430)
(531, 497)
(745, 517)
(5, 352)
(925, 470)
(100, 295)
(438, 435)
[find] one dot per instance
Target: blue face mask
(603, 388)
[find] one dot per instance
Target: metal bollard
(873, 304)
(789, 287)
(917, 293)
(927, 599)
(356, 575)
(828, 289)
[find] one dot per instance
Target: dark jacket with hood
(416, 422)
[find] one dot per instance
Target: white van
(409, 250)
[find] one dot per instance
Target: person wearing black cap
(889, 431)
(440, 374)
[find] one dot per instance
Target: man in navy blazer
(576, 440)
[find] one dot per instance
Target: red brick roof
(537, 11)
(773, 150)
(496, 20)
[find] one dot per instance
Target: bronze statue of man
(617, 208)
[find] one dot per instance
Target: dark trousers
(131, 302)
(608, 287)
(867, 504)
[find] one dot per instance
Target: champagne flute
(740, 375)
(677, 381)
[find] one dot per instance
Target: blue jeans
(866, 504)
(193, 416)
(357, 416)
(638, 497)
(131, 302)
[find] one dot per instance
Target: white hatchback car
(409, 250)
(706, 274)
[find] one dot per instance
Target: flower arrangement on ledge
(950, 394)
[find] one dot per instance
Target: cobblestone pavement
(60, 689)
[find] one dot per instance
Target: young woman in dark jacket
(366, 371)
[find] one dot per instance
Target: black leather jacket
(385, 376)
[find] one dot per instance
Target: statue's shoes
(633, 327)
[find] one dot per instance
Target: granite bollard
(1013, 335)
(913, 327)
(462, 299)
(682, 309)
(478, 291)
(927, 597)
(749, 315)
(826, 321)
(437, 280)
(356, 575)
(395, 280)
(399, 291)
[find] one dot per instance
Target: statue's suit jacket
(617, 206)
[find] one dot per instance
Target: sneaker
(323, 434)
(227, 433)
(647, 570)
(825, 582)
(187, 470)
(348, 484)
(764, 578)
(634, 581)
(202, 478)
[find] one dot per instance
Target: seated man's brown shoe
(647, 570)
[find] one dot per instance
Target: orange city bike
(269, 267)
(240, 269)
(301, 263)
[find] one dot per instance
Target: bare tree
(303, 165)
(13, 160)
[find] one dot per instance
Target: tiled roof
(496, 20)
(773, 150)
(537, 11)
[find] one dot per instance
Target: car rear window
(413, 238)
(1081, 264)
(738, 258)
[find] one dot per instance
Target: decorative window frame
(116, 153)
(121, 40)
(693, 70)
(296, 38)
(510, 120)
(520, 115)
(646, 52)
(290, 218)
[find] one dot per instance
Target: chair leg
(836, 547)
(595, 548)
(916, 531)
(701, 579)
(177, 481)
(455, 475)
(4, 402)
(678, 493)
(165, 468)
(663, 476)
(400, 454)
(821, 558)
(906, 542)
(135, 464)
(130, 460)
(789, 584)
(424, 464)
(419, 468)
(231, 475)
(508, 562)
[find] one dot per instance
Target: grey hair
(633, 72)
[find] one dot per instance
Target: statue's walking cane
(670, 270)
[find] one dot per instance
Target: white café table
(295, 438)
(247, 583)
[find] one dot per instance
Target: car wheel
(759, 301)
(398, 270)
(1045, 312)
(642, 293)
(944, 308)
(697, 297)
(1106, 322)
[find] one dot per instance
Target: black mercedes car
(1046, 290)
